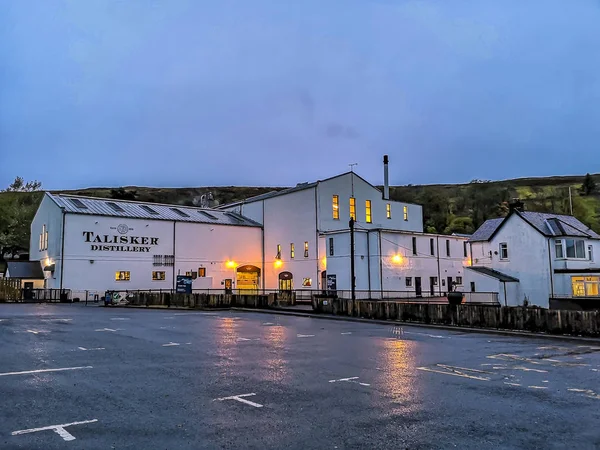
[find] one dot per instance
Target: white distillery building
(92, 244)
(535, 257)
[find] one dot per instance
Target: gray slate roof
(494, 273)
(142, 210)
(551, 225)
(25, 270)
(485, 231)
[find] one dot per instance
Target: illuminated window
(278, 256)
(388, 211)
(122, 276)
(158, 276)
(201, 272)
(292, 251)
(336, 207)
(306, 249)
(406, 213)
(188, 274)
(306, 282)
(353, 208)
(586, 286)
(368, 211)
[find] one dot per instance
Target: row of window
(573, 248)
(160, 275)
(163, 260)
(335, 206)
(432, 247)
(44, 238)
(586, 286)
(292, 250)
(434, 281)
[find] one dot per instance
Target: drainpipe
(380, 266)
(551, 272)
(62, 250)
(505, 299)
(352, 275)
(263, 246)
(174, 255)
(437, 239)
(369, 261)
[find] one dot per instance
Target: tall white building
(535, 257)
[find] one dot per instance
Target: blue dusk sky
(272, 92)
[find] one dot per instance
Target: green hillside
(447, 208)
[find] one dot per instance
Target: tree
(123, 194)
(589, 185)
(17, 208)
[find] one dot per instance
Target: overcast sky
(272, 92)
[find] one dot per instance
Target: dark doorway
(472, 286)
(432, 284)
(450, 287)
(28, 290)
(418, 287)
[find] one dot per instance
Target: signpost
(183, 284)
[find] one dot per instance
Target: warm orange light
(397, 259)
(230, 264)
(278, 263)
(468, 262)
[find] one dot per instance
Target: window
(575, 248)
(408, 281)
(194, 275)
(586, 286)
(201, 272)
(335, 206)
(558, 248)
(179, 212)
(188, 274)
(388, 211)
(368, 211)
(169, 260)
(414, 245)
(78, 203)
(292, 251)
(306, 249)
(459, 281)
(432, 246)
(157, 260)
(206, 214)
(149, 210)
(115, 207)
(590, 252)
(278, 255)
(434, 281)
(503, 250)
(158, 276)
(235, 216)
(306, 282)
(472, 286)
(466, 251)
(406, 213)
(448, 248)
(43, 244)
(353, 208)
(330, 246)
(122, 276)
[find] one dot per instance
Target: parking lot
(75, 376)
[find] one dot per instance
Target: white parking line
(537, 387)
(170, 344)
(58, 429)
(109, 329)
(347, 332)
(120, 318)
(350, 380)
(37, 331)
(305, 335)
(240, 399)
(425, 334)
(457, 372)
(512, 384)
(268, 323)
(89, 349)
(45, 370)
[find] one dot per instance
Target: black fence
(24, 295)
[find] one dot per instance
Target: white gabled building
(535, 257)
(99, 244)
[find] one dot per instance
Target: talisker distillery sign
(119, 242)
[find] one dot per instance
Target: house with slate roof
(549, 260)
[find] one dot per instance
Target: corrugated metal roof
(142, 210)
(485, 231)
(493, 273)
(25, 270)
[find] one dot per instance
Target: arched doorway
(286, 281)
(248, 279)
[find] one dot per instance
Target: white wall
(48, 214)
(339, 264)
(342, 186)
(212, 246)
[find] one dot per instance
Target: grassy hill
(447, 208)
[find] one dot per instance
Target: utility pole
(352, 276)
(570, 200)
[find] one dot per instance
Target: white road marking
(170, 344)
(545, 381)
(58, 429)
(527, 369)
(45, 370)
(425, 334)
(57, 320)
(168, 317)
(37, 331)
(243, 339)
(305, 335)
(457, 372)
(120, 318)
(347, 332)
(512, 384)
(240, 399)
(350, 380)
(268, 323)
(89, 349)
(188, 343)
(538, 387)
(506, 356)
(197, 314)
(109, 329)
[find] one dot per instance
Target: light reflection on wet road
(318, 383)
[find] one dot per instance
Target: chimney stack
(516, 205)
(386, 181)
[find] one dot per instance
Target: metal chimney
(386, 181)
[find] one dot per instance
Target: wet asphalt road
(153, 379)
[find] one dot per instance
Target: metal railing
(23, 295)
